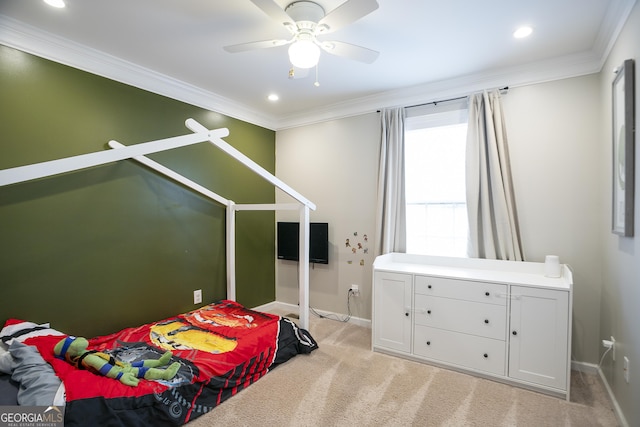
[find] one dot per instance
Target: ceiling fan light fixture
(304, 54)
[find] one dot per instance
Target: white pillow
(21, 330)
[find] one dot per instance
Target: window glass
(435, 184)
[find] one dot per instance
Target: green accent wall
(118, 245)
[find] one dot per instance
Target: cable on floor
(335, 317)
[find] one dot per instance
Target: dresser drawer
(468, 351)
(485, 320)
(491, 293)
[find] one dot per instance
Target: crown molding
(616, 18)
(19, 35)
(521, 75)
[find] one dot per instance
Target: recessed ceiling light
(273, 97)
(55, 3)
(523, 32)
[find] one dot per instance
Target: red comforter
(222, 348)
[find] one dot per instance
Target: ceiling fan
(306, 21)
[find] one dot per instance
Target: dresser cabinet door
(392, 314)
(538, 349)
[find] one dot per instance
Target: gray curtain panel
(391, 227)
(493, 222)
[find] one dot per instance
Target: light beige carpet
(344, 383)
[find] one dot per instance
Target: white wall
(554, 137)
(620, 302)
(334, 164)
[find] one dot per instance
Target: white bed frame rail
(138, 152)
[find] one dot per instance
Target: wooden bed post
(306, 206)
(231, 251)
(303, 271)
(83, 161)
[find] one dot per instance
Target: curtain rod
(437, 102)
(502, 89)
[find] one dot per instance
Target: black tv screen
(288, 238)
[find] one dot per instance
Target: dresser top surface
(497, 271)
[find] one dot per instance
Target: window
(435, 183)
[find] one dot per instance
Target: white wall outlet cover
(197, 296)
(627, 374)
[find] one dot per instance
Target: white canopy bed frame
(200, 134)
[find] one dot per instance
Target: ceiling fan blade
(351, 51)
(275, 12)
(345, 14)
(264, 44)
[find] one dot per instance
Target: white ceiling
(429, 50)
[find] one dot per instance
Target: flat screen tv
(288, 235)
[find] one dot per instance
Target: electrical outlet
(197, 296)
(355, 290)
(627, 375)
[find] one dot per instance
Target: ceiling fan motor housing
(306, 14)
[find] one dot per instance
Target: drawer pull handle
(514, 332)
(486, 321)
(428, 342)
(428, 311)
(487, 293)
(429, 286)
(486, 356)
(406, 314)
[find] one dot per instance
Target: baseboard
(270, 306)
(587, 368)
(592, 368)
(293, 308)
(614, 402)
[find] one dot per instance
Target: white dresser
(502, 320)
